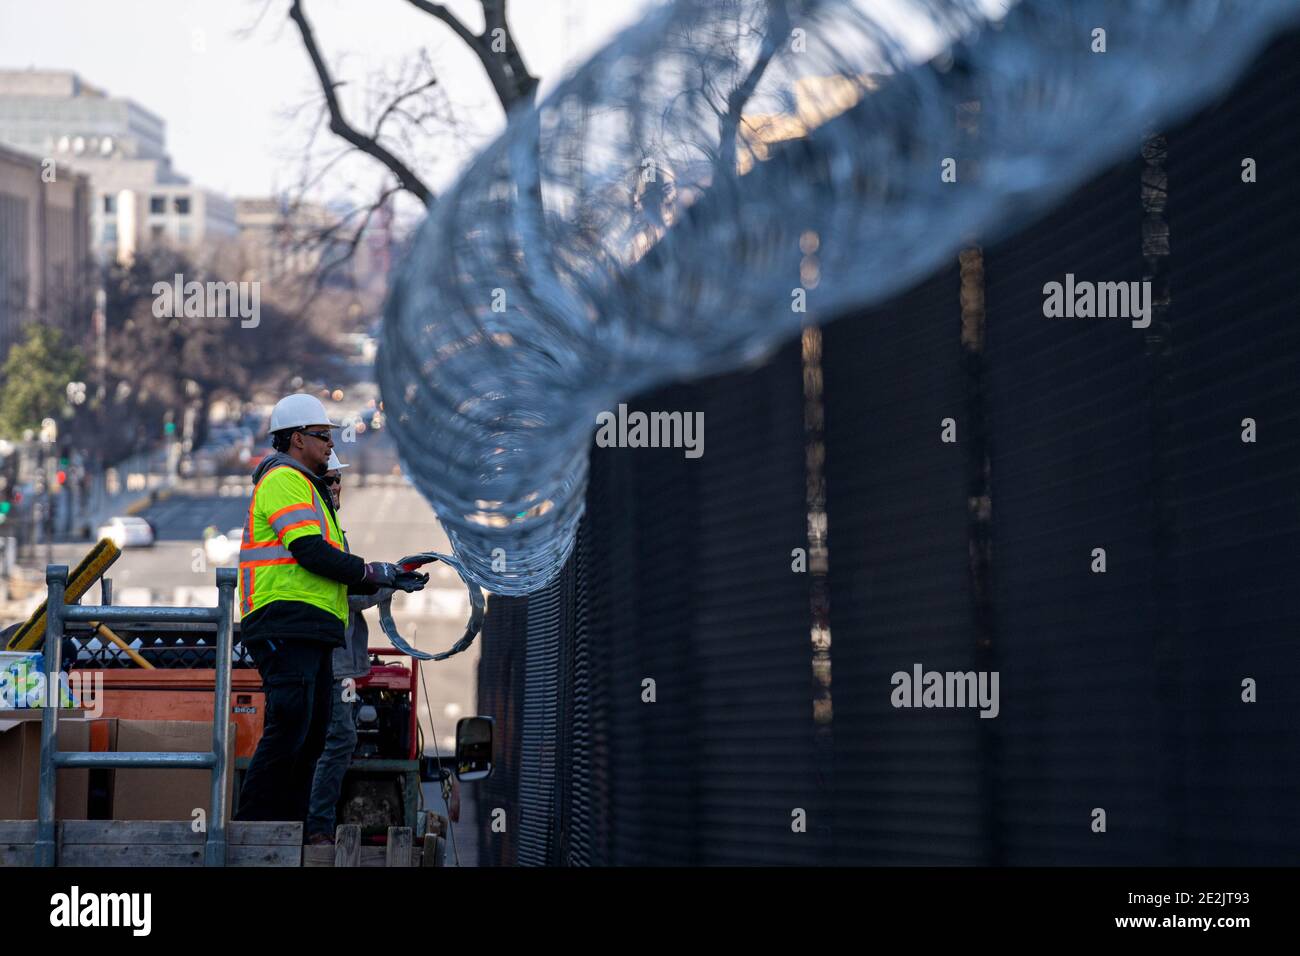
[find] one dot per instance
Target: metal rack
(57, 615)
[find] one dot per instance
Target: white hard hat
(334, 463)
(295, 411)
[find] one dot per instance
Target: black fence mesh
(500, 696)
(1070, 409)
(906, 781)
(1071, 442)
(1231, 571)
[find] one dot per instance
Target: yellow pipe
(108, 632)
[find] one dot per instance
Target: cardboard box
(20, 768)
(163, 794)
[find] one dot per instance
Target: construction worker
(350, 662)
(294, 580)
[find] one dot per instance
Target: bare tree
(407, 106)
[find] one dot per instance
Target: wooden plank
(347, 845)
(238, 832)
(154, 843)
(374, 856)
(17, 854)
(121, 854)
(318, 856)
(430, 855)
(377, 856)
(398, 850)
(17, 831)
(117, 854)
(251, 833)
(440, 853)
(265, 855)
(135, 832)
(369, 856)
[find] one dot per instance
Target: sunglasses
(333, 481)
(323, 436)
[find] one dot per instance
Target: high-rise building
(44, 244)
(138, 198)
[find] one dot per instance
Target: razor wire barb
(647, 222)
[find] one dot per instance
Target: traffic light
(60, 476)
(4, 507)
(169, 428)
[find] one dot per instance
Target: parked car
(222, 548)
(128, 531)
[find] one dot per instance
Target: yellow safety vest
(284, 507)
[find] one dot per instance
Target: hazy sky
(226, 83)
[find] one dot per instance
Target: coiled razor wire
(477, 608)
(655, 217)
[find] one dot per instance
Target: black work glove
(381, 574)
(410, 581)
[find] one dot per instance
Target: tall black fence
(1105, 515)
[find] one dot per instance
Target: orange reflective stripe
(248, 577)
(323, 518)
(325, 524)
(298, 524)
(248, 525)
(291, 583)
(293, 518)
(293, 507)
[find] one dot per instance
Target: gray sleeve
(353, 660)
(359, 602)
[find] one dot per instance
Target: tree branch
(505, 69)
(778, 28)
(494, 17)
(394, 106)
(338, 123)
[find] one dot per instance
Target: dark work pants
(297, 676)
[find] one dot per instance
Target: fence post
(215, 847)
(56, 581)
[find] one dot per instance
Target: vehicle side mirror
(473, 748)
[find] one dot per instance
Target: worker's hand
(410, 580)
(381, 574)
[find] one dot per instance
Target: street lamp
(49, 435)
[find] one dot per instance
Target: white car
(221, 548)
(128, 531)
